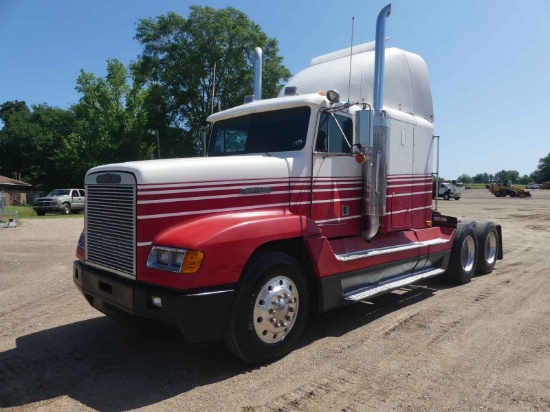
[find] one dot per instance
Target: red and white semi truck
(304, 203)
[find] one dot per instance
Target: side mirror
(363, 128)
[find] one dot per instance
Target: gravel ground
(480, 346)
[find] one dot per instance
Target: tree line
(188, 68)
(541, 174)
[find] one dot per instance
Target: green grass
(27, 212)
(482, 185)
(476, 185)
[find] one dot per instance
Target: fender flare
(228, 240)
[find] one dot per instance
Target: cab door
(337, 178)
(77, 200)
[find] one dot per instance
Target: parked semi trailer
(305, 203)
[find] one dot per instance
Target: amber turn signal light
(192, 262)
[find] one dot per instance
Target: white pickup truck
(447, 191)
(62, 201)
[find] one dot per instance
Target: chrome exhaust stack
(377, 166)
(257, 73)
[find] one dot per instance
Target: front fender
(228, 241)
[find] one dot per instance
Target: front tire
(446, 196)
(65, 209)
(270, 309)
(462, 264)
(487, 240)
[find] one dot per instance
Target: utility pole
(158, 141)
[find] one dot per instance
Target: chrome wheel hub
(491, 247)
(275, 309)
(468, 254)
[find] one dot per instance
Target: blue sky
(489, 61)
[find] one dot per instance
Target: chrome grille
(111, 227)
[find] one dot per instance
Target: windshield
(60, 192)
(276, 131)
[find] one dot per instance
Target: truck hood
(202, 169)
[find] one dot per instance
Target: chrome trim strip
(217, 292)
(389, 249)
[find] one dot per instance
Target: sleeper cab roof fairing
(406, 85)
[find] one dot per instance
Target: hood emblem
(255, 190)
(108, 178)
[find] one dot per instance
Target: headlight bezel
(175, 260)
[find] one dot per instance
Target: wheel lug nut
(291, 301)
(280, 296)
(271, 311)
(291, 309)
(283, 324)
(289, 318)
(272, 320)
(286, 296)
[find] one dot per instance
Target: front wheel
(65, 209)
(446, 196)
(462, 264)
(269, 310)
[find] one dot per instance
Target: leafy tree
(512, 175)
(525, 180)
(481, 178)
(500, 175)
(542, 174)
(180, 57)
(478, 178)
(15, 138)
(30, 142)
(111, 119)
(464, 178)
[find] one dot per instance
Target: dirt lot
(480, 346)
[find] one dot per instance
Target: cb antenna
(351, 54)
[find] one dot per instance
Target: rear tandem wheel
(462, 264)
(487, 241)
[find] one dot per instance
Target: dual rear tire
(475, 249)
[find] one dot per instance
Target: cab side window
(335, 134)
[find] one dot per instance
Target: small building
(14, 191)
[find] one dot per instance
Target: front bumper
(50, 208)
(200, 314)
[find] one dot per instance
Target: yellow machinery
(503, 189)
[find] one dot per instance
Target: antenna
(213, 88)
(351, 54)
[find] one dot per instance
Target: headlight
(54, 201)
(175, 260)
